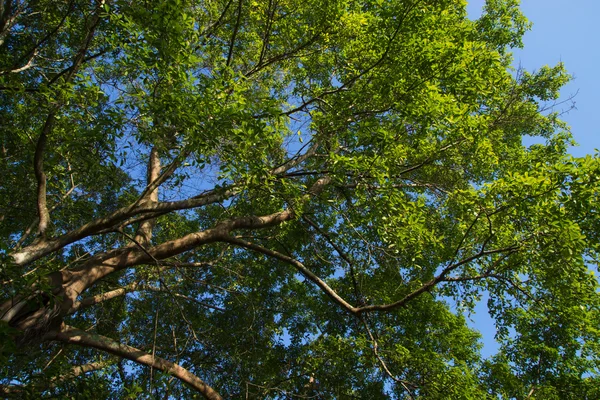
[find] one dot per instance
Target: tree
(285, 198)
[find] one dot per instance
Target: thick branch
(103, 264)
(40, 249)
(72, 335)
(84, 369)
(144, 232)
(40, 176)
(99, 266)
(32, 226)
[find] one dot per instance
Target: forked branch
(311, 276)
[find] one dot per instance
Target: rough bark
(144, 232)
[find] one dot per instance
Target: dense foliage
(288, 199)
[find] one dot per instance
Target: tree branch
(342, 254)
(296, 160)
(235, 31)
(31, 227)
(40, 249)
(90, 301)
(307, 273)
(384, 366)
(40, 175)
(38, 163)
(133, 287)
(73, 373)
(144, 232)
(432, 283)
(70, 335)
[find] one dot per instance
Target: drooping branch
(73, 373)
(306, 272)
(70, 335)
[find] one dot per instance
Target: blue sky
(569, 32)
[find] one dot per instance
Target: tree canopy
(289, 199)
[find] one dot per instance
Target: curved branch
(432, 283)
(99, 298)
(339, 250)
(73, 373)
(307, 273)
(44, 247)
(71, 335)
(38, 163)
